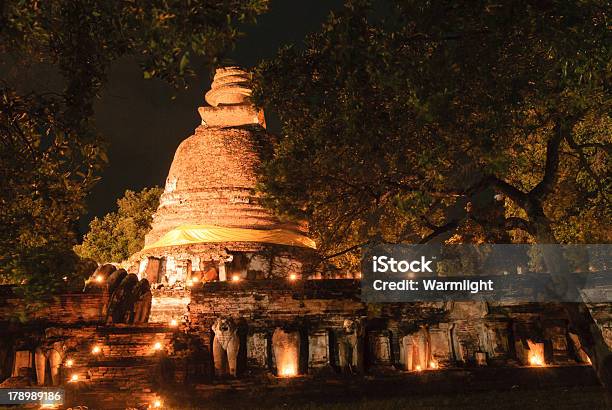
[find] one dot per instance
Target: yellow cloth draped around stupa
(194, 234)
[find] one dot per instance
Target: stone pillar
(40, 360)
(23, 358)
(380, 347)
(440, 345)
(222, 273)
(257, 350)
(495, 340)
(582, 356)
(286, 347)
(416, 351)
(318, 349)
(152, 270)
(55, 362)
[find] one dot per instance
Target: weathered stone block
(318, 349)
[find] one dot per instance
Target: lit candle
(157, 404)
(418, 368)
(96, 349)
(74, 378)
(292, 277)
(157, 346)
(99, 278)
(69, 363)
(174, 323)
(235, 278)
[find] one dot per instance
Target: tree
(488, 121)
(50, 150)
(120, 234)
(45, 173)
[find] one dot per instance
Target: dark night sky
(144, 125)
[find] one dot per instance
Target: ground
(515, 388)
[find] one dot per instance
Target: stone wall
(395, 336)
(126, 368)
(317, 325)
(76, 307)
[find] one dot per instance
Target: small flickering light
(74, 378)
(65, 278)
(157, 404)
(69, 363)
(174, 323)
(157, 346)
(236, 278)
(418, 368)
(359, 275)
(195, 279)
(189, 283)
(99, 278)
(433, 365)
(96, 349)
(293, 277)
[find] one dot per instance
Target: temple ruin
(209, 224)
(223, 289)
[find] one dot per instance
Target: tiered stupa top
(209, 194)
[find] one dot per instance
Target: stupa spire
(230, 100)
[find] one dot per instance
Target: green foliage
(50, 151)
(401, 121)
(120, 234)
(45, 172)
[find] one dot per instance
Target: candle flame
(536, 360)
(288, 370)
(536, 354)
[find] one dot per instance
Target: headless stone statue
(120, 303)
(225, 346)
(115, 279)
(52, 356)
(103, 272)
(350, 346)
(142, 302)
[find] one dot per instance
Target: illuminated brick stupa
(210, 224)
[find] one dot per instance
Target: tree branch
(518, 223)
(551, 168)
(347, 250)
(439, 230)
